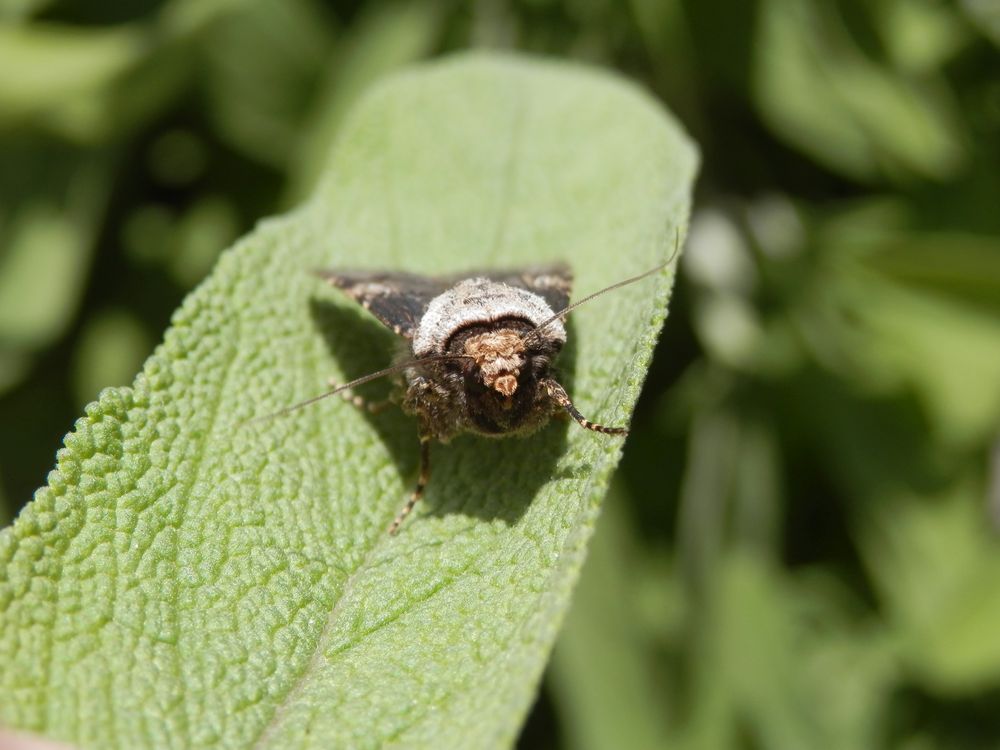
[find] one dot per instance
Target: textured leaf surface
(185, 582)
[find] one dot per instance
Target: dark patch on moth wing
(399, 300)
(552, 283)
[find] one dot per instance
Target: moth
(477, 351)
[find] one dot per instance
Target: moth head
(499, 356)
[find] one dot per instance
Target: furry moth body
(480, 351)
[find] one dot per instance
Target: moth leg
(422, 479)
(360, 402)
(558, 394)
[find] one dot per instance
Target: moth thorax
(499, 355)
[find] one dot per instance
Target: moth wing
(399, 300)
(552, 283)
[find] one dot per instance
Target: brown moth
(479, 351)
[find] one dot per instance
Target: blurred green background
(801, 547)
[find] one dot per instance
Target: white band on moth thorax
(479, 301)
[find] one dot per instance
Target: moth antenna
(570, 308)
(356, 382)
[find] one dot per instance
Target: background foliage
(801, 548)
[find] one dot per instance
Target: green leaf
(97, 84)
(817, 89)
(263, 69)
(985, 15)
(53, 199)
(111, 349)
(385, 38)
(186, 581)
(753, 667)
(58, 68)
(943, 348)
(935, 564)
(603, 673)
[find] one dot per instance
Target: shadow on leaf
(477, 476)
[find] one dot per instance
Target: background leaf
(183, 581)
(871, 119)
(599, 670)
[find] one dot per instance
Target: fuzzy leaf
(183, 581)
